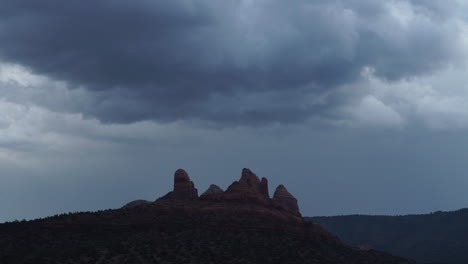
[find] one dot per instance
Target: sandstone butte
(239, 225)
(249, 189)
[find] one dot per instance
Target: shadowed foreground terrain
(440, 237)
(239, 225)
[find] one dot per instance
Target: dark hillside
(440, 237)
(239, 225)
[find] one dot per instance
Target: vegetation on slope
(440, 237)
(178, 232)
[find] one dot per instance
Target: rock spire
(251, 179)
(184, 189)
(286, 199)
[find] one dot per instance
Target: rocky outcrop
(213, 189)
(242, 189)
(249, 177)
(249, 190)
(184, 189)
(286, 199)
(252, 180)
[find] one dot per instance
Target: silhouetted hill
(239, 225)
(440, 237)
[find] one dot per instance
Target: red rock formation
(184, 189)
(263, 187)
(254, 182)
(286, 199)
(212, 191)
(242, 188)
(249, 177)
(249, 190)
(166, 232)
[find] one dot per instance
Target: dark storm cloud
(231, 62)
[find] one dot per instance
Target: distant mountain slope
(239, 225)
(440, 237)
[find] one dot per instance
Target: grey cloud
(225, 62)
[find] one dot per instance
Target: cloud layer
(229, 63)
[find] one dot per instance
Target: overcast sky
(357, 106)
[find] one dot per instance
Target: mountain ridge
(239, 225)
(437, 237)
